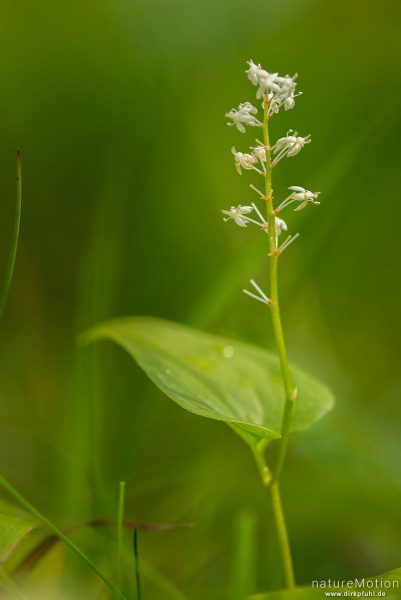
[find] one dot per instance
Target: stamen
(248, 219)
(289, 200)
(257, 288)
(255, 297)
(261, 217)
(288, 241)
(262, 296)
(263, 173)
(255, 189)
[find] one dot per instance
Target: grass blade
(49, 542)
(137, 575)
(26, 504)
(14, 243)
(120, 525)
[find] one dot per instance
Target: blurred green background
(119, 110)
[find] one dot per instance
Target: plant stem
(14, 243)
(282, 534)
(26, 504)
(275, 306)
(281, 347)
(120, 525)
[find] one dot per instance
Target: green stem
(120, 525)
(282, 535)
(275, 306)
(24, 502)
(282, 352)
(14, 242)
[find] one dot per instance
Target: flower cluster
(276, 92)
(279, 91)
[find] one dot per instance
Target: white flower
(287, 86)
(264, 80)
(280, 226)
(304, 196)
(267, 84)
(274, 105)
(279, 91)
(239, 214)
(244, 115)
(253, 72)
(299, 194)
(246, 161)
(298, 144)
(236, 213)
(259, 152)
(289, 103)
(260, 296)
(290, 145)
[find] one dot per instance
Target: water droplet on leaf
(228, 351)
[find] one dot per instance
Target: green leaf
(216, 377)
(392, 579)
(15, 525)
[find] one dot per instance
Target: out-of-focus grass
(118, 108)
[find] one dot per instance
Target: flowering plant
(228, 380)
(276, 92)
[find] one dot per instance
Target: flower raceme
(276, 91)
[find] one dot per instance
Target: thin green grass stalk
(120, 525)
(5, 581)
(14, 243)
(24, 502)
(137, 574)
(282, 351)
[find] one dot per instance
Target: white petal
(297, 188)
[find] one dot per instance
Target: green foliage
(5, 484)
(218, 378)
(15, 525)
